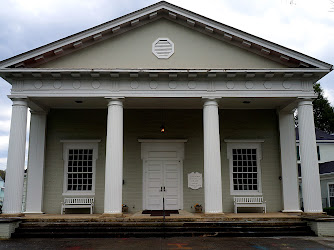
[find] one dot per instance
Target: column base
(32, 213)
(292, 211)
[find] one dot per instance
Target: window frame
(79, 144)
(329, 200)
(245, 144)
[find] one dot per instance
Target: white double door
(163, 183)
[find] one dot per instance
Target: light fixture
(162, 127)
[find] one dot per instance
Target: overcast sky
(306, 26)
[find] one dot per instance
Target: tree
(3, 174)
(323, 111)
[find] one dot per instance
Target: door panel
(165, 174)
(154, 182)
(172, 184)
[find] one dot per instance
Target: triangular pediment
(199, 43)
(133, 50)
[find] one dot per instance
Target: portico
(212, 201)
(228, 116)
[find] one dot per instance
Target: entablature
(163, 83)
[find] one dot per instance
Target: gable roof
(288, 57)
(321, 136)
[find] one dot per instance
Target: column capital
(115, 101)
(20, 102)
(305, 101)
(210, 101)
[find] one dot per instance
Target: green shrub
(329, 210)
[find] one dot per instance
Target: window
(245, 172)
(298, 153)
(331, 194)
(80, 167)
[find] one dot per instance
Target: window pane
(331, 194)
(331, 200)
(244, 169)
(80, 170)
(298, 154)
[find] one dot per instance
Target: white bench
(249, 202)
(77, 203)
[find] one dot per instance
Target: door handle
(164, 189)
(160, 189)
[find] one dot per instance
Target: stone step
(153, 229)
(166, 224)
(160, 219)
(158, 229)
(266, 233)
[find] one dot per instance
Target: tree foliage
(3, 174)
(323, 111)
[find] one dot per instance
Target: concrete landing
(182, 216)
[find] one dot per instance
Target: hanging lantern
(162, 128)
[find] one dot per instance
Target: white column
(309, 158)
(35, 181)
(16, 158)
(114, 158)
(289, 162)
(212, 162)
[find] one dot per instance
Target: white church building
(100, 98)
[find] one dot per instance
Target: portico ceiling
(163, 103)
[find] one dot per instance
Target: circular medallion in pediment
(76, 84)
(153, 84)
(38, 84)
(57, 84)
(96, 84)
(249, 85)
(172, 84)
(230, 85)
(287, 85)
(192, 84)
(268, 85)
(134, 84)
